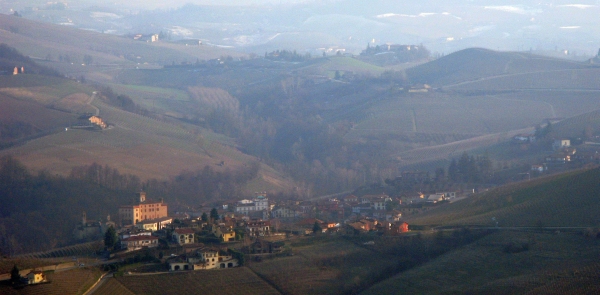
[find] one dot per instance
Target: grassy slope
(569, 199)
(554, 264)
(132, 146)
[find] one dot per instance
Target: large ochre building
(144, 210)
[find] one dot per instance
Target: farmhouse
(36, 277)
(98, 121)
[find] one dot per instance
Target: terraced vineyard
(562, 200)
(111, 287)
(86, 249)
(229, 281)
(553, 264)
(323, 268)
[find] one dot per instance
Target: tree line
(40, 210)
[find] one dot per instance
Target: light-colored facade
(139, 242)
(183, 236)
(36, 277)
(144, 210)
(203, 260)
(154, 224)
(259, 203)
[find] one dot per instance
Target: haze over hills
(556, 27)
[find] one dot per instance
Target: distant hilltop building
(143, 210)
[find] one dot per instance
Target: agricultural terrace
(239, 280)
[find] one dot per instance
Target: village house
(261, 246)
(286, 212)
(561, 143)
(183, 236)
(204, 259)
(393, 228)
(524, 138)
(350, 199)
(257, 228)
(139, 242)
(539, 168)
(259, 203)
(143, 210)
(154, 224)
(226, 234)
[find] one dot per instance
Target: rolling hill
(477, 63)
(132, 145)
(49, 41)
(569, 200)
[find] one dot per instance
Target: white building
(259, 203)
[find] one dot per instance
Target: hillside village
(218, 237)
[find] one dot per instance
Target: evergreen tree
(214, 215)
(15, 276)
(110, 238)
(316, 227)
(204, 217)
(453, 170)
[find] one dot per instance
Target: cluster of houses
(255, 226)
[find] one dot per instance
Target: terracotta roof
(185, 231)
(139, 238)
